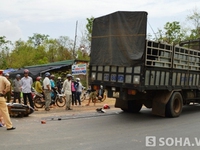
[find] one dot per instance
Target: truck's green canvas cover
(118, 39)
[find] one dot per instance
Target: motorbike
(19, 110)
(39, 101)
(85, 94)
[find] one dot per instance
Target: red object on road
(43, 122)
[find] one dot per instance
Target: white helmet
(69, 75)
(77, 79)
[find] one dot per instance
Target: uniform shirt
(26, 84)
(4, 85)
(17, 85)
(46, 82)
(67, 87)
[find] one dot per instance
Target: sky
(20, 19)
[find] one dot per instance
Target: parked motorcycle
(39, 101)
(85, 94)
(60, 99)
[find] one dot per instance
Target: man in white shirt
(27, 82)
(47, 90)
(67, 85)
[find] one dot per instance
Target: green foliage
(82, 55)
(39, 49)
(4, 52)
(194, 20)
(38, 39)
(172, 33)
(89, 26)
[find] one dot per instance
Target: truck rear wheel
(133, 107)
(175, 105)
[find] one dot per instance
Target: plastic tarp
(118, 39)
(38, 70)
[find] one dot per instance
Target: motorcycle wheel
(83, 97)
(60, 102)
(38, 103)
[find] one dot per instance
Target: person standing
(17, 83)
(79, 90)
(73, 92)
(26, 87)
(8, 94)
(4, 88)
(47, 90)
(67, 89)
(53, 88)
(38, 86)
(59, 84)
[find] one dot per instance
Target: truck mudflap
(160, 101)
(121, 104)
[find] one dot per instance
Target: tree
(89, 26)
(172, 33)
(5, 46)
(194, 18)
(38, 39)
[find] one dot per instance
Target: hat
(1, 71)
(69, 75)
(18, 76)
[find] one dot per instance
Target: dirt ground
(76, 109)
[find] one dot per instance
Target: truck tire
(175, 105)
(133, 107)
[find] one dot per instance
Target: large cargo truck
(140, 72)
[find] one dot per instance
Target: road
(113, 130)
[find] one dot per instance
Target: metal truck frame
(165, 78)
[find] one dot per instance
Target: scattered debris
(43, 122)
(100, 110)
(106, 106)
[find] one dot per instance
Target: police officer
(4, 88)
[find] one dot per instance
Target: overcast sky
(23, 18)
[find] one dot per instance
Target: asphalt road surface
(113, 130)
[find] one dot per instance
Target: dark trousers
(78, 95)
(74, 98)
(17, 95)
(29, 95)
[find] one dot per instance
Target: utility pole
(75, 39)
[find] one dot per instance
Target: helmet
(105, 106)
(69, 75)
(101, 86)
(6, 74)
(26, 71)
(18, 76)
(59, 78)
(52, 76)
(77, 79)
(47, 74)
(38, 78)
